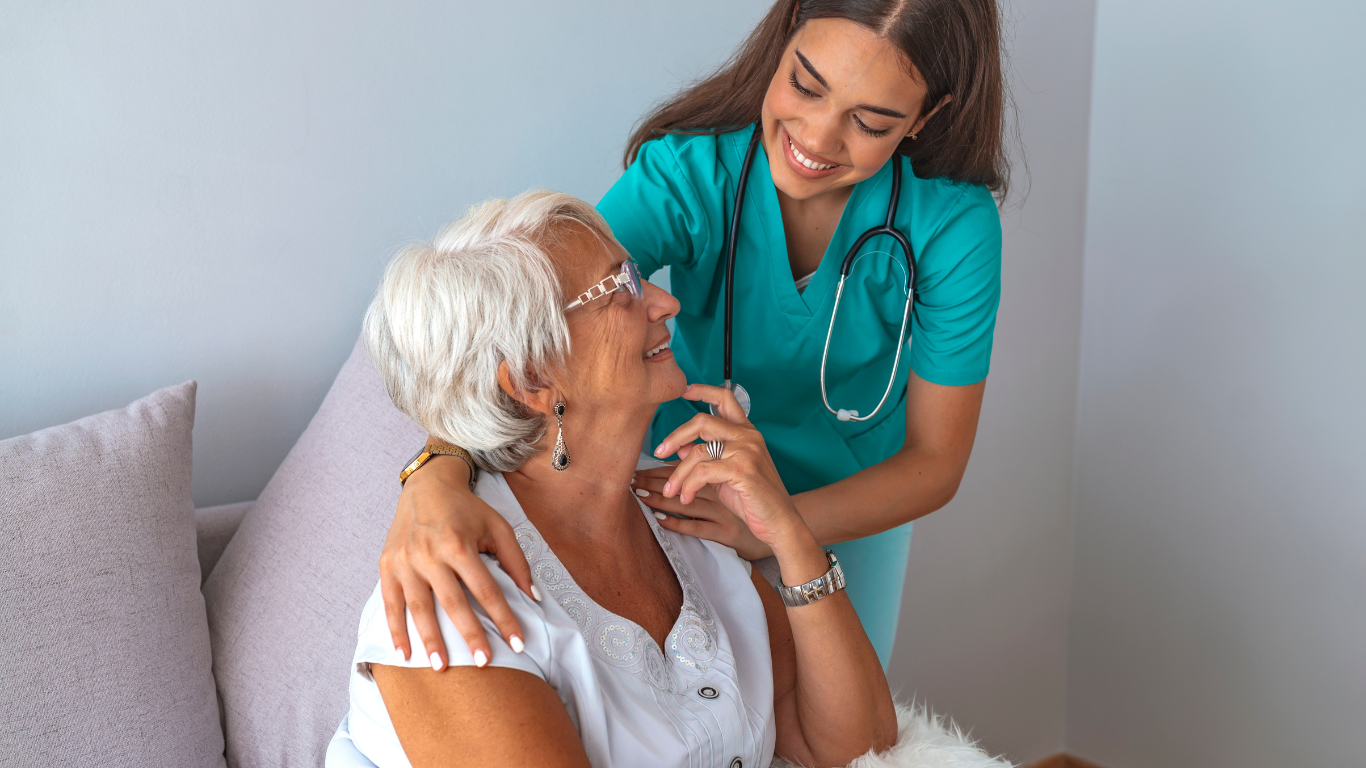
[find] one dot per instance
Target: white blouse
(703, 700)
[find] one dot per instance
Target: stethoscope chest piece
(741, 396)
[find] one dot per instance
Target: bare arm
(831, 699)
(941, 425)
(821, 719)
(468, 717)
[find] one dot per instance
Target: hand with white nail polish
(432, 551)
(704, 516)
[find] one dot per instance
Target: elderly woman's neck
(594, 492)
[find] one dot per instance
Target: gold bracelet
(428, 452)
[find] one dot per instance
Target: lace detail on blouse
(690, 646)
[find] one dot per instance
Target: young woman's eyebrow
(867, 107)
(811, 69)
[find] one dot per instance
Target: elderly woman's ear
(539, 400)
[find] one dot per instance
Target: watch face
(413, 464)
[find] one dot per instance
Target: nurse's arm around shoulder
(439, 529)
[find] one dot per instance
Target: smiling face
(619, 360)
(841, 101)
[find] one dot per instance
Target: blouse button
(708, 692)
(737, 763)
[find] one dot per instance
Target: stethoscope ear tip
(845, 414)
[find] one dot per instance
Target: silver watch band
(828, 584)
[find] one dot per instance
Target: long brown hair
(955, 45)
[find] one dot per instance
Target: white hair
(448, 313)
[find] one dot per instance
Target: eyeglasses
(628, 278)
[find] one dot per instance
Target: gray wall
(1220, 585)
(983, 632)
(210, 193)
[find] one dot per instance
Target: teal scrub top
(672, 208)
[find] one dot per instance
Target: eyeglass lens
(634, 283)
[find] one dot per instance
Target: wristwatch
(428, 452)
(805, 594)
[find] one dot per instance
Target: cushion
(106, 648)
(214, 527)
(285, 598)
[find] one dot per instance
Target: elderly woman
(527, 335)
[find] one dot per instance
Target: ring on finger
(715, 449)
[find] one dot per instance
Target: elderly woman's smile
(620, 359)
(661, 348)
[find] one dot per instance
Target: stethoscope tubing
(887, 228)
(732, 237)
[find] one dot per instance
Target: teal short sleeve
(654, 211)
(958, 290)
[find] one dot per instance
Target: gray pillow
(105, 645)
(285, 598)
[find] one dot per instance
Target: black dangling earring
(559, 459)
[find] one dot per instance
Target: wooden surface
(1062, 761)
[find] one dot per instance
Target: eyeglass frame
(629, 277)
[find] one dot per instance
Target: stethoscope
(888, 228)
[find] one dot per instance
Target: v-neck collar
(767, 218)
(691, 643)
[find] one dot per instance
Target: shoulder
(726, 148)
(956, 208)
(375, 646)
(952, 223)
(706, 164)
(493, 489)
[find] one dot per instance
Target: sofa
(137, 630)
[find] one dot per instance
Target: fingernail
(517, 645)
(659, 450)
(660, 515)
(668, 488)
(535, 593)
(436, 662)
(642, 493)
(480, 659)
(402, 654)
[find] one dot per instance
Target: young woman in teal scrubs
(840, 89)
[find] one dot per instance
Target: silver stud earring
(559, 459)
(912, 135)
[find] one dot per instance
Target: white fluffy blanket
(924, 740)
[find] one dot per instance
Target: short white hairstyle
(448, 313)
